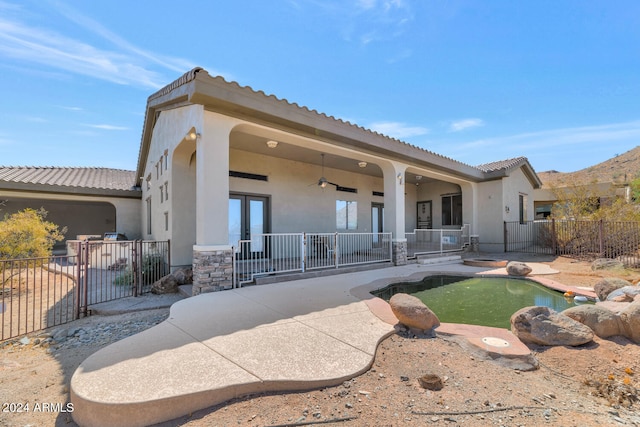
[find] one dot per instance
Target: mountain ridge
(620, 169)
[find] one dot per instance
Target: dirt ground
(591, 385)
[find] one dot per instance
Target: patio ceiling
(258, 144)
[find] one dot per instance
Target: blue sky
(478, 81)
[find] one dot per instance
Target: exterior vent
(378, 193)
(346, 189)
(245, 175)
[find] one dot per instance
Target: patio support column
(212, 254)
(394, 212)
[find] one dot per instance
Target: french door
(248, 220)
(377, 220)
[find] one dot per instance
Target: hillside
(620, 169)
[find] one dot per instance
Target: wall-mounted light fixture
(399, 176)
(192, 136)
(362, 164)
(272, 144)
(506, 209)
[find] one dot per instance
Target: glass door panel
(256, 221)
(235, 221)
(377, 220)
(248, 220)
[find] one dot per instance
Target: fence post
(504, 230)
(303, 252)
(85, 281)
(441, 231)
(335, 249)
(135, 266)
(554, 240)
(79, 286)
(601, 236)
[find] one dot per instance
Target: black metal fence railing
(38, 293)
(582, 239)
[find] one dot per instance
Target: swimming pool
(486, 301)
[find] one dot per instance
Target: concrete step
(450, 259)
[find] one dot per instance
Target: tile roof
(75, 177)
(501, 164)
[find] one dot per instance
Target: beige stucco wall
(169, 132)
(127, 210)
(297, 203)
(493, 198)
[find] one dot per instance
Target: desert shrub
(153, 268)
(26, 234)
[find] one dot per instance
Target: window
(148, 182)
(148, 215)
(166, 221)
(346, 215)
(161, 161)
(166, 190)
(161, 193)
(166, 159)
(522, 204)
(452, 209)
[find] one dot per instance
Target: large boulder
(516, 268)
(413, 313)
(167, 285)
(630, 319)
(603, 322)
(624, 294)
(544, 326)
(184, 276)
(606, 264)
(607, 285)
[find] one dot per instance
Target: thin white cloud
(398, 130)
(558, 138)
(123, 64)
(107, 127)
(71, 108)
(460, 125)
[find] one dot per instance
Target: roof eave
(68, 190)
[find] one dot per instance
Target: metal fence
(437, 241)
(582, 239)
(38, 293)
(274, 253)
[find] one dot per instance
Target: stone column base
(212, 270)
(399, 252)
(475, 243)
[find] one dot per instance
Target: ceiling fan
(322, 182)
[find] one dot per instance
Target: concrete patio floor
(287, 336)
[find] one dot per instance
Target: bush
(153, 268)
(26, 234)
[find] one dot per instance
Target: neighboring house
(219, 162)
(87, 201)
(603, 193)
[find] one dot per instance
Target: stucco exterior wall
(499, 202)
(490, 216)
(127, 210)
(297, 203)
(169, 131)
(434, 191)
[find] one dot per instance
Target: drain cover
(495, 342)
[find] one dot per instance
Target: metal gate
(38, 293)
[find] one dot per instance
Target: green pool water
(486, 301)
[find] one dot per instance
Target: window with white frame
(346, 215)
